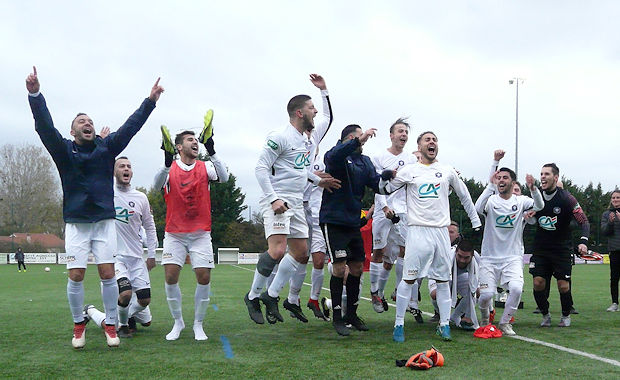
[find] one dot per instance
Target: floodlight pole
(516, 81)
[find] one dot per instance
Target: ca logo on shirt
(429, 190)
(302, 160)
(123, 215)
(547, 223)
(505, 221)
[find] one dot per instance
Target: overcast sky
(444, 64)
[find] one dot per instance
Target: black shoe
(356, 322)
(341, 327)
(131, 323)
(417, 314)
(254, 309)
(271, 308)
(85, 313)
(385, 304)
(325, 309)
(537, 311)
(316, 309)
(435, 318)
(573, 311)
(123, 332)
(295, 311)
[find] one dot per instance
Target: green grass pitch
(37, 332)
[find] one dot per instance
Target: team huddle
(311, 204)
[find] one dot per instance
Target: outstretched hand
(105, 131)
(329, 183)
(529, 180)
(372, 132)
(498, 154)
(156, 91)
(32, 82)
(318, 81)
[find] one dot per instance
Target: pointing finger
(34, 69)
(157, 82)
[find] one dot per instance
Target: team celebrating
(311, 205)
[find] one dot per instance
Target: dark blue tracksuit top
(86, 171)
(355, 171)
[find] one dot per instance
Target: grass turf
(38, 329)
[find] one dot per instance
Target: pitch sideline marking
(519, 337)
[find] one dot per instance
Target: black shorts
(545, 266)
(343, 243)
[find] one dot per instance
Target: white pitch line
(519, 337)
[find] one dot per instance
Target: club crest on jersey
(547, 223)
(505, 221)
(340, 253)
(272, 144)
(302, 160)
(132, 204)
(438, 175)
(514, 207)
(123, 215)
(401, 162)
(316, 167)
(429, 190)
(557, 210)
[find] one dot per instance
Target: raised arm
(325, 122)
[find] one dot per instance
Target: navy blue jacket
(86, 171)
(355, 171)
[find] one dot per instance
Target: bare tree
(31, 197)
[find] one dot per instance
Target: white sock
(384, 274)
(317, 283)
(512, 302)
(174, 298)
(274, 271)
(413, 302)
(286, 269)
(135, 308)
(201, 302)
(109, 292)
(444, 302)
(258, 284)
(484, 302)
(344, 300)
(143, 316)
(96, 316)
(374, 275)
(123, 315)
(403, 293)
(399, 269)
(199, 333)
(295, 284)
(75, 295)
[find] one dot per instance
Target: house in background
(40, 242)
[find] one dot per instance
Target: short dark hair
(76, 116)
(465, 246)
(296, 102)
(513, 175)
(400, 120)
(554, 168)
(348, 130)
(517, 183)
(121, 158)
(423, 133)
(179, 137)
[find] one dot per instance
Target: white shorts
(84, 238)
(195, 244)
(391, 252)
(291, 222)
(427, 254)
(134, 268)
(384, 231)
(317, 240)
(493, 275)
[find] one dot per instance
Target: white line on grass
(519, 337)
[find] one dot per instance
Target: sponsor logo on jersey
(340, 253)
(505, 221)
(412, 272)
(302, 160)
(70, 258)
(279, 225)
(272, 144)
(429, 190)
(484, 286)
(557, 210)
(166, 255)
(547, 223)
(123, 215)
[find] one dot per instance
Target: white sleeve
(271, 151)
(461, 190)
(494, 168)
(216, 169)
(401, 179)
(149, 226)
(313, 178)
(321, 128)
(161, 178)
(380, 199)
(481, 202)
(539, 202)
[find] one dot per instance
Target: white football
(47, 269)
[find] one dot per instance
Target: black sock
(613, 285)
(353, 294)
(541, 301)
(335, 287)
(566, 301)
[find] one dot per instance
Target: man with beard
(552, 243)
(186, 186)
(427, 250)
(86, 168)
(340, 221)
(282, 174)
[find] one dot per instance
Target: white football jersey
(133, 212)
(427, 188)
(388, 161)
(316, 195)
